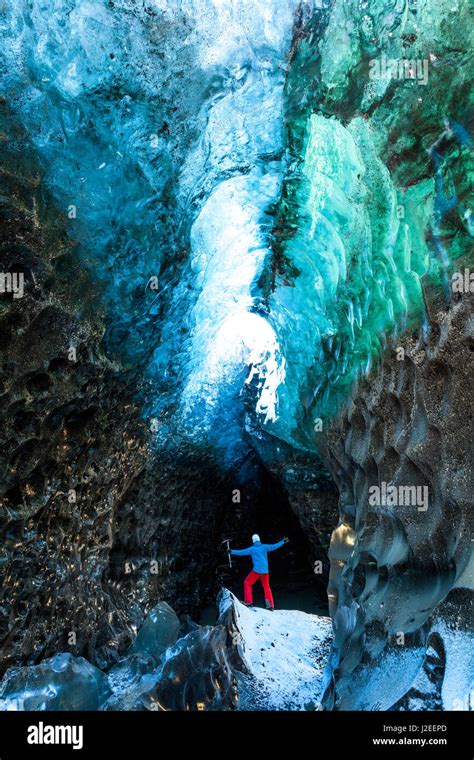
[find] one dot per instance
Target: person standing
(258, 552)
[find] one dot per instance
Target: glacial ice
(239, 153)
(189, 673)
(62, 682)
(129, 106)
(144, 181)
(96, 105)
(158, 632)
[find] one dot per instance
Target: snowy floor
(286, 651)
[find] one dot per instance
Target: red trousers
(250, 580)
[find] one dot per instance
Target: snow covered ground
(458, 683)
(286, 652)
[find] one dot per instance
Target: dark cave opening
(265, 508)
(209, 505)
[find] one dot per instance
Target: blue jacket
(258, 552)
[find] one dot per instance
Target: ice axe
(227, 541)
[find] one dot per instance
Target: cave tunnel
(235, 297)
(262, 506)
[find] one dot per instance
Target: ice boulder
(62, 682)
(159, 631)
(197, 674)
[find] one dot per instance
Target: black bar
(163, 734)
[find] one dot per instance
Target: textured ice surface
(194, 674)
(228, 252)
(295, 213)
(370, 192)
(185, 140)
(62, 682)
(158, 632)
(160, 130)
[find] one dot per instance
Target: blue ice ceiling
(160, 133)
(190, 172)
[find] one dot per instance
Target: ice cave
(236, 299)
